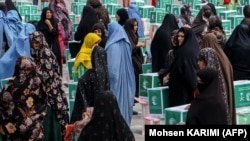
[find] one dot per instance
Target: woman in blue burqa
(120, 67)
(15, 34)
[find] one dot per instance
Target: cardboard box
(77, 8)
(109, 1)
(147, 80)
(225, 14)
(80, 1)
(215, 2)
(19, 3)
(226, 24)
(219, 9)
(158, 101)
(32, 17)
(243, 115)
(147, 68)
(138, 4)
(175, 115)
(145, 11)
(67, 54)
(192, 3)
(44, 4)
(112, 8)
(239, 10)
(245, 2)
(4, 82)
(242, 93)
(235, 20)
(199, 6)
(173, 8)
(72, 17)
(157, 17)
(27, 9)
(72, 90)
(162, 3)
(75, 26)
(70, 68)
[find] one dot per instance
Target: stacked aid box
(242, 101)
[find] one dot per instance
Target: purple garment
(62, 14)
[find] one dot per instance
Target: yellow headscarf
(84, 55)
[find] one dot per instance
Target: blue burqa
(121, 71)
(133, 12)
(17, 35)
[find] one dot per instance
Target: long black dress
(182, 82)
(208, 107)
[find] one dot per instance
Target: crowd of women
(190, 54)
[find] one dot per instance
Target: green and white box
(147, 68)
(199, 6)
(158, 100)
(112, 8)
(138, 3)
(157, 17)
(77, 8)
(220, 9)
(175, 115)
(27, 9)
(192, 3)
(145, 10)
(243, 115)
(147, 80)
(32, 17)
(67, 54)
(242, 93)
(215, 2)
(18, 3)
(72, 90)
(162, 3)
(70, 68)
(226, 24)
(245, 2)
(109, 1)
(173, 8)
(75, 26)
(225, 14)
(239, 10)
(5, 81)
(44, 4)
(72, 17)
(235, 20)
(80, 1)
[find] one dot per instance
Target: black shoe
(135, 113)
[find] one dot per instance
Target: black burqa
(92, 82)
(237, 49)
(182, 82)
(161, 42)
(123, 14)
(89, 18)
(51, 36)
(107, 123)
(137, 56)
(199, 24)
(208, 107)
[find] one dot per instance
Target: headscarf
(208, 107)
(199, 24)
(101, 11)
(121, 71)
(161, 43)
(210, 57)
(227, 70)
(47, 63)
(123, 14)
(133, 12)
(84, 55)
(62, 15)
(237, 50)
(89, 18)
(104, 37)
(132, 35)
(107, 115)
(213, 9)
(23, 103)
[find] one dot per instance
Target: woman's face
(201, 64)
(173, 39)
(48, 14)
(98, 32)
(135, 26)
(35, 44)
(180, 38)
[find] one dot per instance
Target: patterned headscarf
(47, 63)
(23, 103)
